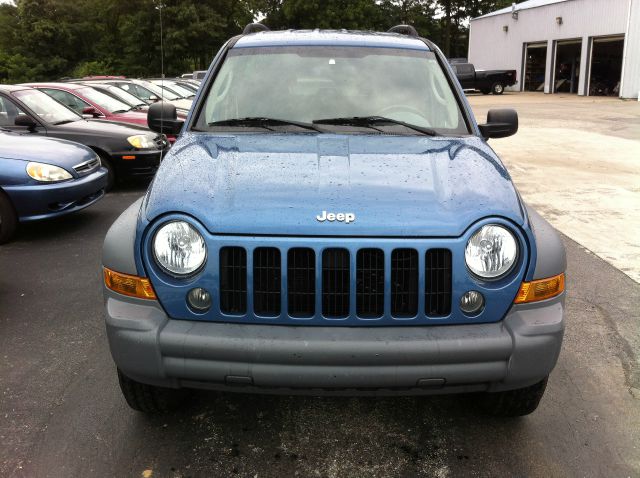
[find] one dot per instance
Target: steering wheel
(403, 110)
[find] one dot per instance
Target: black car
(125, 150)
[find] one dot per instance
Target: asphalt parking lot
(61, 412)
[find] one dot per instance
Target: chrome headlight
(142, 141)
(179, 248)
(491, 252)
(47, 173)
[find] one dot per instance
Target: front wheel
(8, 219)
(150, 399)
(497, 88)
(514, 403)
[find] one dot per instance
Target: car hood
(58, 152)
(136, 117)
(102, 127)
(278, 184)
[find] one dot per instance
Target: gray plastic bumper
(516, 352)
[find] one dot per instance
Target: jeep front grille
(301, 282)
(372, 286)
(335, 283)
(266, 281)
(370, 283)
(404, 283)
(437, 274)
(233, 280)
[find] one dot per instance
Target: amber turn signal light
(540, 289)
(126, 284)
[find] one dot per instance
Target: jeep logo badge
(345, 217)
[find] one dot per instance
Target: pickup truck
(489, 81)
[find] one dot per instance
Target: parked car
(199, 75)
(136, 103)
(174, 88)
(189, 85)
(332, 220)
(42, 178)
(194, 83)
(150, 93)
(125, 150)
(187, 76)
(87, 101)
(489, 81)
(132, 101)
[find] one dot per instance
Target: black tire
(111, 173)
(497, 88)
(148, 398)
(514, 403)
(8, 219)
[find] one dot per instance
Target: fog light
(471, 302)
(199, 299)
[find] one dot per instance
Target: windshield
(307, 83)
(125, 96)
(174, 88)
(45, 107)
(106, 102)
(159, 92)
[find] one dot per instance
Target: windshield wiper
(265, 123)
(117, 112)
(63, 122)
(372, 121)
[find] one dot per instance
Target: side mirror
(500, 124)
(26, 121)
(91, 111)
(154, 98)
(163, 118)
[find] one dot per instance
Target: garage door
(606, 66)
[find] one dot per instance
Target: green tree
(49, 39)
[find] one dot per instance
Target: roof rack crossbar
(254, 28)
(404, 30)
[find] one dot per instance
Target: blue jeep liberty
(331, 221)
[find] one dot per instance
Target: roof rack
(404, 30)
(254, 28)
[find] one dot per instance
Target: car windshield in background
(107, 102)
(307, 83)
(174, 88)
(125, 96)
(45, 107)
(159, 92)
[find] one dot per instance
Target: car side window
(8, 112)
(69, 100)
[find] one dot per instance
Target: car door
(466, 75)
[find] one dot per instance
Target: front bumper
(43, 201)
(516, 352)
(137, 163)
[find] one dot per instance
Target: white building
(588, 47)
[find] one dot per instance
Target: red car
(87, 101)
